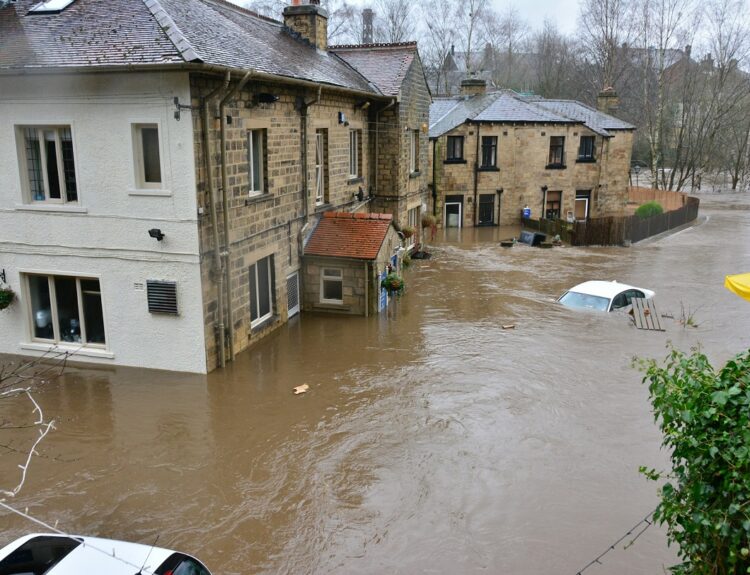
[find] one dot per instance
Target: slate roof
(506, 106)
(128, 33)
(347, 235)
(385, 65)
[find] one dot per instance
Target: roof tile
(349, 235)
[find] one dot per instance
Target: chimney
(367, 18)
(473, 86)
(309, 20)
(608, 101)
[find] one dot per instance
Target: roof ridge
(410, 44)
(168, 26)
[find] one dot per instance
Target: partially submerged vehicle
(53, 554)
(603, 295)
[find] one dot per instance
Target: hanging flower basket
(7, 296)
(408, 231)
(393, 283)
(428, 221)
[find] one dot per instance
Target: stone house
(493, 154)
(170, 159)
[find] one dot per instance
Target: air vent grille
(162, 296)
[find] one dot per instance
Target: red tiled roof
(346, 235)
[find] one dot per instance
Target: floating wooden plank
(645, 315)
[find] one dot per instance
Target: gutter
(225, 253)
(218, 261)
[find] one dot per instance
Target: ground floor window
(413, 221)
(66, 309)
(261, 291)
(554, 205)
(332, 285)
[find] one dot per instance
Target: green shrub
(704, 416)
(649, 209)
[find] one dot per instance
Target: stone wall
(522, 171)
(273, 223)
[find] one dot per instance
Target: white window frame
(139, 160)
(56, 337)
(24, 167)
(320, 172)
(326, 276)
(251, 168)
(414, 151)
(354, 142)
(255, 292)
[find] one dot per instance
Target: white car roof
(607, 289)
(95, 555)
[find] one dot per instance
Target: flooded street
(431, 440)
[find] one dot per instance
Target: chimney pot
(309, 21)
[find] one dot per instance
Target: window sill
(258, 199)
(146, 192)
(555, 167)
(488, 169)
(456, 161)
(355, 180)
(319, 208)
(263, 324)
(75, 351)
(414, 175)
(586, 161)
(332, 306)
(59, 208)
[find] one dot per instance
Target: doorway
(454, 211)
(583, 199)
(486, 210)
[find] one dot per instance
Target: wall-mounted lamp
(544, 189)
(425, 127)
(363, 104)
(156, 233)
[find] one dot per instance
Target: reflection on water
(431, 439)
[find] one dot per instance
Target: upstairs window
(49, 164)
(586, 149)
(321, 160)
(256, 162)
(147, 156)
(556, 152)
(355, 153)
(414, 152)
(489, 152)
(455, 151)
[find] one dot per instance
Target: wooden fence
(616, 230)
(668, 199)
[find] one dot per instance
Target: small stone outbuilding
(344, 261)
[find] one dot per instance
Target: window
(556, 152)
(413, 222)
(66, 309)
(586, 149)
(256, 162)
(414, 152)
(455, 150)
(321, 153)
(355, 153)
(50, 167)
(261, 291)
(332, 286)
(489, 152)
(147, 156)
(179, 564)
(554, 204)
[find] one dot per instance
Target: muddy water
(431, 440)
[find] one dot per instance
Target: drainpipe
(303, 148)
(476, 178)
(214, 217)
(436, 152)
(226, 268)
(377, 145)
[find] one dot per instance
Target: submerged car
(52, 554)
(603, 295)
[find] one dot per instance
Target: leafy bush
(705, 419)
(649, 209)
(7, 296)
(394, 283)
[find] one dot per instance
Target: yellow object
(739, 284)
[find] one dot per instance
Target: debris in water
(509, 326)
(304, 388)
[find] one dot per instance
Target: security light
(156, 233)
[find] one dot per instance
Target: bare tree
(437, 38)
(395, 22)
(507, 35)
(554, 63)
(470, 17)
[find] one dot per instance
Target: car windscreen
(585, 301)
(38, 555)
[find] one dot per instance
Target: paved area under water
(431, 439)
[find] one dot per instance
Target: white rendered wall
(106, 233)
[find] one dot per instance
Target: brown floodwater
(431, 440)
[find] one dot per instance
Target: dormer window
(50, 7)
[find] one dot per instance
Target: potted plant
(428, 221)
(7, 296)
(408, 231)
(394, 283)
